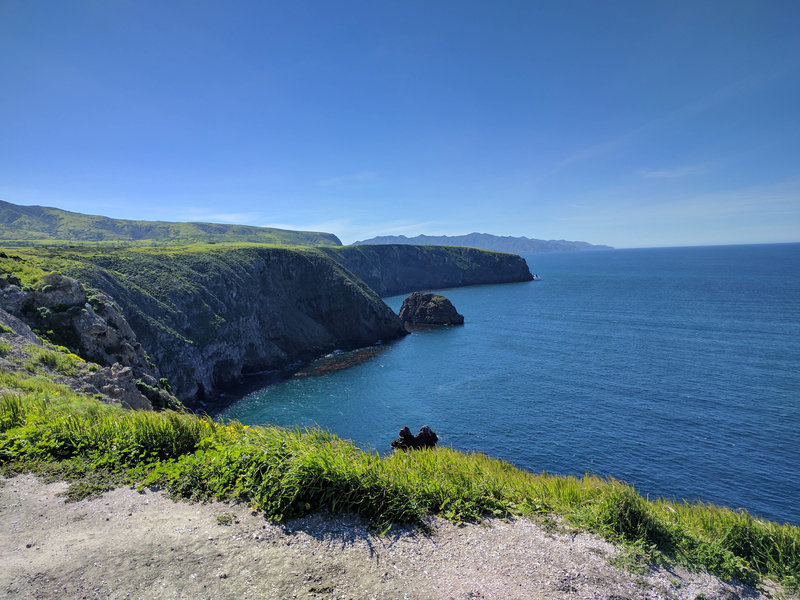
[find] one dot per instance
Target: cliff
(104, 358)
(209, 316)
(396, 269)
(205, 316)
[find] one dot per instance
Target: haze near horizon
(623, 123)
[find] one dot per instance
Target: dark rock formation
(90, 326)
(426, 438)
(422, 308)
(398, 269)
(210, 316)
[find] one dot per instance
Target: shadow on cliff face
(330, 363)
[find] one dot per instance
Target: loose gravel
(133, 545)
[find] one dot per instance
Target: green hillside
(41, 224)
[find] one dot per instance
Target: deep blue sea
(674, 369)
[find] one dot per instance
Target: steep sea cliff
(397, 269)
(209, 315)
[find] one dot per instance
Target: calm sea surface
(674, 369)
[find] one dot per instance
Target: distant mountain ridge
(45, 224)
(486, 241)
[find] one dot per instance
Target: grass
(290, 473)
(26, 383)
(59, 360)
(37, 224)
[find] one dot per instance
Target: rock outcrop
(426, 438)
(398, 269)
(422, 308)
(209, 316)
(90, 326)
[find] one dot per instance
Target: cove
(674, 369)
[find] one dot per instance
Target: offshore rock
(429, 309)
(426, 438)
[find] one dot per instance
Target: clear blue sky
(642, 123)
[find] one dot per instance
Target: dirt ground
(142, 545)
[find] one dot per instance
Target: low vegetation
(48, 429)
(43, 225)
(286, 473)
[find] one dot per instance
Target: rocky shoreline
(203, 318)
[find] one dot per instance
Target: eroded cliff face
(208, 317)
(397, 269)
(92, 327)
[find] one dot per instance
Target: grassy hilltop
(40, 224)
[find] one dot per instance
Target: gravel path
(132, 545)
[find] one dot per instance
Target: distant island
(486, 241)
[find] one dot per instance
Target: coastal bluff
(398, 269)
(206, 316)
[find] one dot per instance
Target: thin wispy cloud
(411, 229)
(673, 173)
(781, 199)
(681, 113)
(235, 218)
(408, 226)
(345, 180)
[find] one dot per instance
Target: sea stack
(422, 308)
(426, 438)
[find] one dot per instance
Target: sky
(633, 124)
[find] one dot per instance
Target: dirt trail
(132, 545)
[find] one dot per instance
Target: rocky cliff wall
(397, 269)
(92, 327)
(209, 316)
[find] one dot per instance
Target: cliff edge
(397, 269)
(205, 316)
(209, 316)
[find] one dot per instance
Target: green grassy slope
(293, 473)
(50, 225)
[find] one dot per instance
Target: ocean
(676, 370)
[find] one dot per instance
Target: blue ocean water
(674, 369)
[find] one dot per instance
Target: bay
(674, 369)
